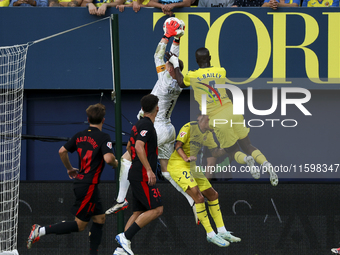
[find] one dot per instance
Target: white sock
(124, 183)
(120, 249)
(211, 234)
(168, 177)
(221, 229)
(42, 231)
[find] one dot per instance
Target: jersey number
(156, 193)
(85, 162)
(186, 174)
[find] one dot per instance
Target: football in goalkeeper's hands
(180, 29)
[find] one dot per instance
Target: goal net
(12, 73)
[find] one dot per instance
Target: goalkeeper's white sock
(124, 183)
(42, 231)
(168, 177)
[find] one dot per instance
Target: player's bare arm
(180, 151)
(128, 149)
(143, 159)
(71, 171)
(179, 76)
(111, 160)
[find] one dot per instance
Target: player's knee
(159, 211)
(199, 199)
(81, 227)
(99, 219)
(214, 196)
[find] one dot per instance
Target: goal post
(12, 74)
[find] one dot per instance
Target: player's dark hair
(202, 56)
(96, 113)
(148, 103)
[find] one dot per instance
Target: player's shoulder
(192, 72)
(188, 125)
(144, 122)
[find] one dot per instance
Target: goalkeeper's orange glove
(171, 28)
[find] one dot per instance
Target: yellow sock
(202, 215)
(258, 156)
(239, 157)
(215, 212)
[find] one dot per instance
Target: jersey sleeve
(159, 57)
(187, 78)
(106, 146)
(175, 49)
(144, 132)
(184, 134)
(71, 144)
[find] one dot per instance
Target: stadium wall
(282, 220)
(260, 49)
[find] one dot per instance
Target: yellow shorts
(181, 174)
(228, 127)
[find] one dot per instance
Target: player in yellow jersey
(218, 105)
(182, 169)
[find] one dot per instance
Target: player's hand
(174, 61)
(180, 32)
(151, 177)
(140, 114)
(72, 173)
(191, 159)
(115, 164)
(171, 28)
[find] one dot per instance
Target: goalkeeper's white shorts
(166, 136)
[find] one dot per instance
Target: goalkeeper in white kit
(167, 90)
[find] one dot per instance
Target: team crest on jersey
(182, 134)
(143, 132)
(109, 144)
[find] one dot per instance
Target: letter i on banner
(204, 104)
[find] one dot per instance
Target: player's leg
(166, 174)
(216, 214)
(59, 228)
(259, 158)
(96, 233)
(166, 136)
(228, 135)
(121, 203)
(202, 214)
(146, 199)
(119, 250)
(79, 210)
